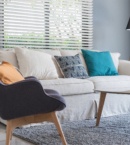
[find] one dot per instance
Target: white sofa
(82, 101)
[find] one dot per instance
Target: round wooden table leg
(101, 104)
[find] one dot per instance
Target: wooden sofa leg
(8, 132)
(58, 126)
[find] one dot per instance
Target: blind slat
(46, 24)
(38, 27)
(50, 43)
(46, 47)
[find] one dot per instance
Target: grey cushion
(71, 66)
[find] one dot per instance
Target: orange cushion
(8, 73)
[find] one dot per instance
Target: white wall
(110, 20)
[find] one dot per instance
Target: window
(65, 24)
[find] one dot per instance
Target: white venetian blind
(66, 24)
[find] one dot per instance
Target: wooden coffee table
(102, 100)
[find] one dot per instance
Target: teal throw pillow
(99, 63)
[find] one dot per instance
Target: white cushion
(53, 53)
(124, 67)
(69, 86)
(9, 56)
(69, 52)
(115, 56)
(72, 53)
(111, 83)
(34, 63)
(50, 51)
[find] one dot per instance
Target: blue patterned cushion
(71, 66)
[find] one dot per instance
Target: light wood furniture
(51, 117)
(103, 94)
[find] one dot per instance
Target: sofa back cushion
(53, 52)
(9, 56)
(35, 63)
(72, 53)
(115, 56)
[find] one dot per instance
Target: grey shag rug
(111, 131)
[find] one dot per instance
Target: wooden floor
(15, 140)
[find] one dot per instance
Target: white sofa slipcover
(112, 83)
(82, 101)
(70, 86)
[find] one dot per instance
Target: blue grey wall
(110, 20)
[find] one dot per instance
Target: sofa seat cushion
(69, 86)
(111, 83)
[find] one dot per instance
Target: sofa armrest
(124, 67)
